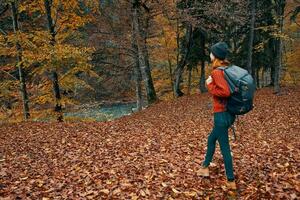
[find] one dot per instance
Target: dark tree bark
(54, 75)
(202, 88)
(181, 64)
(143, 52)
(19, 62)
(280, 14)
(273, 61)
(171, 74)
(137, 71)
(189, 81)
(272, 75)
(138, 78)
(257, 78)
(251, 37)
(263, 79)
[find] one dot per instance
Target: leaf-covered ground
(155, 154)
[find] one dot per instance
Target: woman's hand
(208, 80)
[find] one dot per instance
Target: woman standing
(219, 89)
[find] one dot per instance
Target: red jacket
(219, 88)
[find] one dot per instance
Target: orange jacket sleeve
(219, 86)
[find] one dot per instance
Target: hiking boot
(230, 185)
(203, 171)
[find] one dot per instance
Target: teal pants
(222, 121)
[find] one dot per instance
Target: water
(102, 113)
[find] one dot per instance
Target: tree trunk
(203, 89)
(19, 61)
(171, 74)
(189, 81)
(263, 81)
(138, 79)
(273, 62)
(254, 77)
(143, 54)
(177, 53)
(180, 67)
(257, 78)
(137, 71)
(272, 74)
(139, 95)
(170, 65)
(278, 67)
(251, 37)
(54, 78)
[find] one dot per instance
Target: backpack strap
(221, 68)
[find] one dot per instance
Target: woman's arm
(218, 86)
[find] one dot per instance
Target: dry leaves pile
(154, 154)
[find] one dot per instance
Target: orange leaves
(154, 154)
(165, 42)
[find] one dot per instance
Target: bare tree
(55, 82)
(251, 36)
(141, 34)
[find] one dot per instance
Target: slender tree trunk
(177, 50)
(272, 74)
(263, 82)
(19, 61)
(137, 71)
(189, 81)
(251, 38)
(169, 64)
(278, 67)
(254, 77)
(138, 79)
(143, 54)
(54, 75)
(203, 89)
(273, 63)
(180, 67)
(257, 78)
(171, 74)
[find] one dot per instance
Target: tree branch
(5, 72)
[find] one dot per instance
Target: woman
(219, 89)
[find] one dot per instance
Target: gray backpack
(242, 89)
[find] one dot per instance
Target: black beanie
(220, 50)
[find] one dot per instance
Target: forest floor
(154, 154)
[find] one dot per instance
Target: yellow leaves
(73, 83)
(43, 99)
(30, 6)
(6, 87)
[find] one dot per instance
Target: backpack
(242, 89)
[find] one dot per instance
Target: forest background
(59, 56)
